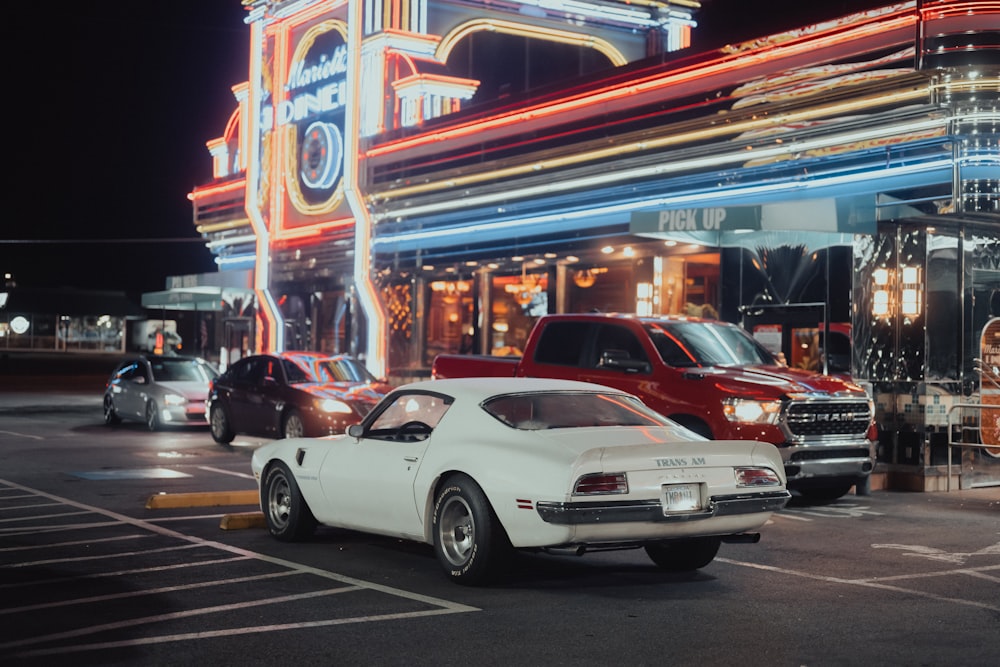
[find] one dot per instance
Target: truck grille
(828, 418)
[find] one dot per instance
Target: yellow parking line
(207, 499)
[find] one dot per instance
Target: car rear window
(537, 411)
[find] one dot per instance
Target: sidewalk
(35, 379)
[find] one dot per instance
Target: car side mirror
(139, 379)
(620, 360)
(355, 430)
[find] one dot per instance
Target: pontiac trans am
(479, 467)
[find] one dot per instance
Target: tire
(152, 416)
(469, 541)
(218, 425)
(291, 425)
(684, 555)
(111, 417)
(826, 493)
(288, 517)
(695, 425)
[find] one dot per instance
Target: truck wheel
(828, 492)
(695, 425)
(468, 539)
(684, 555)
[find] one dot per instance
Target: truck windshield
(706, 344)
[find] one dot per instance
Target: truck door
(616, 358)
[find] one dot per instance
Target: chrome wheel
(293, 427)
(111, 417)
(218, 425)
(152, 416)
(279, 501)
(456, 531)
(287, 515)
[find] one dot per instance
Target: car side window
(561, 343)
(616, 343)
(295, 374)
(409, 408)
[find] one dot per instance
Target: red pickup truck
(713, 378)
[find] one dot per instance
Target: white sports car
(478, 467)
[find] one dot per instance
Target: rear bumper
(604, 512)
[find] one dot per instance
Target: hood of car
(193, 391)
(774, 381)
(345, 391)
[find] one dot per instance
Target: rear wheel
(218, 425)
(152, 416)
(826, 493)
(468, 539)
(111, 417)
(684, 555)
(288, 517)
(291, 425)
(694, 424)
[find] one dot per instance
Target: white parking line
(242, 475)
(869, 583)
(348, 584)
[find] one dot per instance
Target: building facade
(406, 179)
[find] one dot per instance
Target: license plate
(681, 498)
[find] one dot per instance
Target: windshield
(533, 412)
(332, 369)
(166, 369)
(706, 344)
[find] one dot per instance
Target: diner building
(410, 178)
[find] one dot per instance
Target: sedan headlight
(747, 411)
(174, 399)
(333, 405)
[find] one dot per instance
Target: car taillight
(757, 477)
(601, 483)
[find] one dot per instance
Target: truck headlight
(747, 411)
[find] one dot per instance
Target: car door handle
(410, 459)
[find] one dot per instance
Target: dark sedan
(290, 395)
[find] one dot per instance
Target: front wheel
(111, 417)
(468, 539)
(826, 493)
(152, 416)
(288, 517)
(684, 555)
(291, 425)
(218, 425)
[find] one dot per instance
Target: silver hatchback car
(158, 390)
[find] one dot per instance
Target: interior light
(607, 250)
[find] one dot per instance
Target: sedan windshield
(341, 369)
(536, 411)
(166, 369)
(706, 344)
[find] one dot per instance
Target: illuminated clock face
(321, 156)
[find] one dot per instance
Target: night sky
(109, 106)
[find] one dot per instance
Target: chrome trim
(570, 514)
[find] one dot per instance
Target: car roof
(481, 388)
